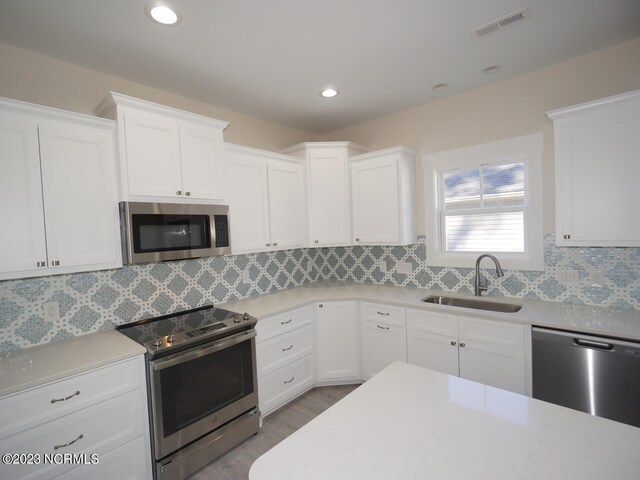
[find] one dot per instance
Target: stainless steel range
(201, 372)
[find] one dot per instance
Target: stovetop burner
(182, 330)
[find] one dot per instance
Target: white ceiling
(270, 58)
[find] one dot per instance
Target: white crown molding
(589, 106)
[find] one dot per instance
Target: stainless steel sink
(473, 303)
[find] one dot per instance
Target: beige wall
(504, 109)
(31, 77)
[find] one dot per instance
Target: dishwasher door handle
(592, 344)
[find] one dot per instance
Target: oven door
(199, 390)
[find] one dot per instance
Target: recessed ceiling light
(329, 93)
(163, 14)
(491, 69)
(440, 86)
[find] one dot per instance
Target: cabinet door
(329, 198)
(153, 156)
(201, 160)
(381, 345)
(22, 240)
(248, 203)
(376, 201)
(493, 353)
(597, 170)
(80, 195)
(286, 204)
(337, 341)
(432, 341)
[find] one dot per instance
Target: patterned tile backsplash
(100, 300)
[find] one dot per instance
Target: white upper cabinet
(597, 167)
(266, 200)
(383, 190)
(329, 190)
(166, 154)
(59, 192)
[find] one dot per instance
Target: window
(486, 199)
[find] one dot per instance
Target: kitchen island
(408, 422)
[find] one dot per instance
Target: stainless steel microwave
(158, 232)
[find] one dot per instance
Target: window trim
(526, 148)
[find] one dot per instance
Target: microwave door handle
(212, 231)
(222, 344)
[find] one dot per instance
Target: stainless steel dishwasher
(596, 375)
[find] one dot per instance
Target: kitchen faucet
(479, 286)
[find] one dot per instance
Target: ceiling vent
(502, 23)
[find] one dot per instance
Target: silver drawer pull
(289, 381)
(453, 343)
(383, 328)
(70, 443)
(288, 348)
(463, 344)
(284, 323)
(386, 314)
(65, 398)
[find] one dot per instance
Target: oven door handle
(220, 345)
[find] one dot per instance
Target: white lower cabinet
(486, 351)
(337, 342)
(79, 415)
(285, 357)
(384, 338)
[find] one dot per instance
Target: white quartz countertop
(614, 322)
(34, 366)
(408, 422)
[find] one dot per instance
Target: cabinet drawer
(96, 429)
(282, 385)
(29, 408)
(127, 462)
(278, 351)
(431, 322)
(283, 322)
(386, 314)
(492, 333)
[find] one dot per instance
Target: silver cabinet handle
(179, 192)
(383, 328)
(320, 306)
(41, 264)
(275, 244)
(289, 381)
(65, 398)
(315, 241)
(463, 344)
(68, 443)
(55, 263)
(268, 244)
(357, 239)
(288, 348)
(453, 344)
(284, 323)
(187, 194)
(386, 314)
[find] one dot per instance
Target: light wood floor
(277, 426)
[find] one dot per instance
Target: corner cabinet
(383, 192)
(58, 192)
(328, 189)
(337, 342)
(166, 153)
(597, 165)
(486, 351)
(266, 200)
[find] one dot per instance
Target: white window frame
(527, 149)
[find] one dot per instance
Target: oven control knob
(171, 338)
(236, 319)
(157, 342)
(246, 317)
